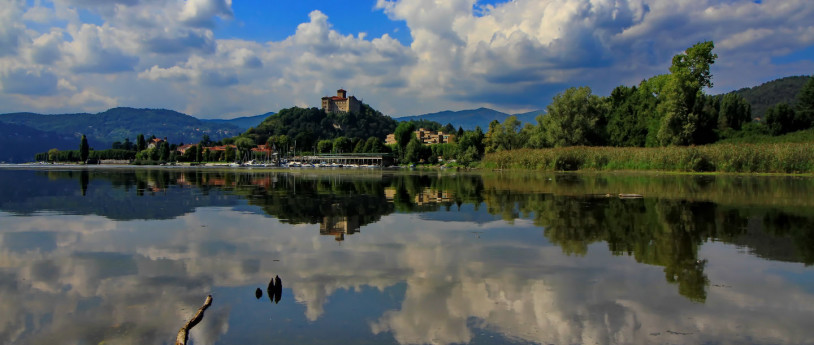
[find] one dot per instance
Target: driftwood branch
(183, 333)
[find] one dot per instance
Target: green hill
(306, 126)
(117, 124)
(765, 95)
(243, 123)
(469, 119)
(20, 143)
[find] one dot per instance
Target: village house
(155, 142)
(341, 103)
(426, 137)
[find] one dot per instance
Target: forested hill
(306, 126)
(469, 119)
(243, 123)
(763, 96)
(116, 124)
(20, 143)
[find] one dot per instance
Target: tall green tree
(404, 133)
(141, 144)
(574, 118)
(84, 149)
(325, 146)
(780, 119)
(689, 74)
(805, 105)
(198, 153)
(244, 146)
(629, 115)
(164, 154)
(734, 112)
(342, 145)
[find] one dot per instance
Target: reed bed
(786, 158)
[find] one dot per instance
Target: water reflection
(557, 259)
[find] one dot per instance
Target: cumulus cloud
(93, 50)
(512, 56)
(201, 13)
(10, 27)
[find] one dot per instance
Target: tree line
(665, 110)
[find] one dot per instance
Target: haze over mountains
(24, 134)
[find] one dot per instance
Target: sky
(224, 58)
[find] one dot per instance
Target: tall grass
(738, 158)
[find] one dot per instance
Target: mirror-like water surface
(122, 256)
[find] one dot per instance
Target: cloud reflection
(89, 279)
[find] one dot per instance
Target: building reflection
(425, 196)
(339, 225)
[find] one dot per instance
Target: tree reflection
(767, 216)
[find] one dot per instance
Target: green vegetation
(306, 127)
(751, 158)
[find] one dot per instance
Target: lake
(126, 256)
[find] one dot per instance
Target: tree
(164, 155)
(342, 145)
(805, 105)
(84, 149)
(325, 146)
(780, 119)
(404, 132)
(198, 153)
(360, 146)
(734, 112)
(573, 117)
(689, 75)
(229, 155)
(504, 136)
(244, 146)
(448, 129)
(141, 144)
(412, 152)
(53, 155)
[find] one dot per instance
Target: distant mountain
(765, 95)
(243, 123)
(469, 119)
(117, 124)
(20, 143)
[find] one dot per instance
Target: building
(341, 103)
(155, 142)
(426, 137)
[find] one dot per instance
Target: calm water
(127, 256)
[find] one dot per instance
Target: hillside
(306, 126)
(20, 143)
(117, 124)
(469, 119)
(243, 123)
(765, 95)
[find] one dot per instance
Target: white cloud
(201, 13)
(94, 49)
(512, 56)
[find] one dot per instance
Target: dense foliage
(307, 126)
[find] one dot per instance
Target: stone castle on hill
(341, 103)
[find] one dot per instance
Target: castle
(341, 103)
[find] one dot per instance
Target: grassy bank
(734, 158)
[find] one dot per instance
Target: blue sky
(224, 58)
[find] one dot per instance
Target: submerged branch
(183, 333)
